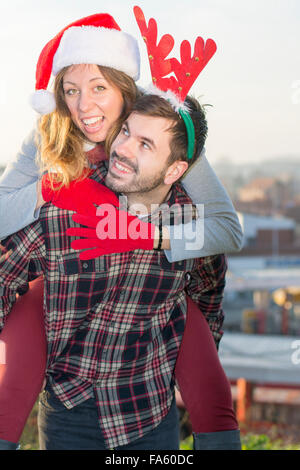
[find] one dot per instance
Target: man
(114, 323)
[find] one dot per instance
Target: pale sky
(253, 81)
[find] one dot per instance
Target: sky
(252, 83)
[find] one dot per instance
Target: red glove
(81, 195)
(117, 232)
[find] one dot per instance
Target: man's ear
(175, 171)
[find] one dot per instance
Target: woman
(91, 103)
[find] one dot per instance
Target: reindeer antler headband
(174, 89)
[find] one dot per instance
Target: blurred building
(293, 212)
(265, 196)
(269, 235)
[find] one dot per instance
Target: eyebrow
(145, 139)
(91, 80)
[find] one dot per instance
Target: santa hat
(95, 39)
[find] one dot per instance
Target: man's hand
(81, 195)
(117, 232)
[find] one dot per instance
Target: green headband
(190, 130)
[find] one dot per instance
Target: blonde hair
(61, 141)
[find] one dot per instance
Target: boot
(222, 440)
(7, 445)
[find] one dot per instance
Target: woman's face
(94, 103)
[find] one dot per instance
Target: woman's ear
(175, 172)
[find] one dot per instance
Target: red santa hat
(95, 39)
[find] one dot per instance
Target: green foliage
(251, 442)
(263, 442)
(187, 444)
(29, 439)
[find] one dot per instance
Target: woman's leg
(23, 357)
(204, 386)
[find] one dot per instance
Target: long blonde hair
(61, 142)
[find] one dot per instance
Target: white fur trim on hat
(43, 101)
(97, 45)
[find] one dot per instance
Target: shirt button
(188, 277)
(85, 265)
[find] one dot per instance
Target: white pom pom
(43, 102)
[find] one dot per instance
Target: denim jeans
(78, 428)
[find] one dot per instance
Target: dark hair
(156, 106)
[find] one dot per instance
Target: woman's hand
(81, 195)
(117, 232)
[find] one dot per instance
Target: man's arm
(222, 229)
(22, 257)
(206, 288)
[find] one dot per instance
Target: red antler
(159, 65)
(187, 71)
(190, 67)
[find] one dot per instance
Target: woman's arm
(18, 190)
(218, 230)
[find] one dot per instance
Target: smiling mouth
(93, 122)
(121, 167)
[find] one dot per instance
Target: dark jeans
(78, 428)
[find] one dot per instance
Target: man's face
(139, 155)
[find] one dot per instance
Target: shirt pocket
(85, 282)
(163, 281)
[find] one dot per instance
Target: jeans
(78, 428)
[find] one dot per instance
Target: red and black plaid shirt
(113, 324)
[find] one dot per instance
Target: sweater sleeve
(18, 195)
(217, 230)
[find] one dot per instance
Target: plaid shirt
(113, 324)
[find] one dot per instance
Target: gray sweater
(218, 231)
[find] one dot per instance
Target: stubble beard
(138, 184)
